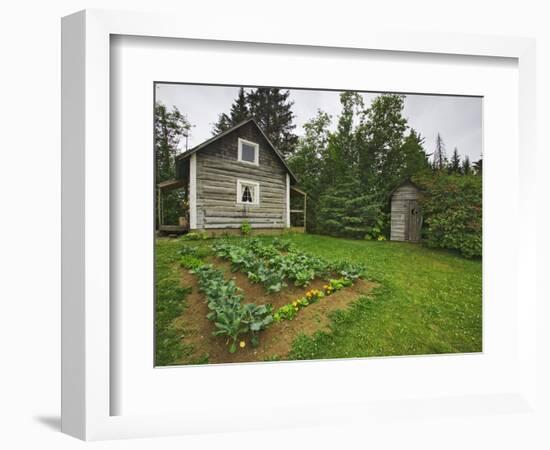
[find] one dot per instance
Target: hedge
(452, 211)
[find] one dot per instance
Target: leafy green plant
(375, 230)
(195, 236)
(190, 262)
(231, 318)
(340, 283)
(263, 263)
(349, 270)
(229, 322)
(257, 318)
(283, 245)
(286, 312)
(198, 250)
(246, 228)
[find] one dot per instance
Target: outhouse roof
(403, 183)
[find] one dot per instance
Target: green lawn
(428, 301)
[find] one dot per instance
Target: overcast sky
(457, 119)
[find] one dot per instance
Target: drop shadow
(51, 422)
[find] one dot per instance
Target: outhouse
(406, 215)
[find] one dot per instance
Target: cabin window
(249, 152)
(248, 192)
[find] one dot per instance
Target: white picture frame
(87, 354)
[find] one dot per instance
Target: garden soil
(276, 340)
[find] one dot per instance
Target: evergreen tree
(239, 108)
(271, 109)
(239, 112)
(454, 166)
(440, 158)
(415, 157)
(466, 167)
(478, 167)
(346, 210)
(342, 154)
(439, 155)
(223, 123)
(309, 160)
(380, 141)
(170, 127)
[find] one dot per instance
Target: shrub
(345, 210)
(246, 228)
(452, 212)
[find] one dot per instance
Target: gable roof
(404, 183)
(206, 143)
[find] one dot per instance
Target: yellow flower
(325, 286)
(294, 303)
(242, 344)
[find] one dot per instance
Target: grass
(170, 303)
(428, 301)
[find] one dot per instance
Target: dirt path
(276, 340)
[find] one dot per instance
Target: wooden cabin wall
(217, 172)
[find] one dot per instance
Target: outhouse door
(414, 221)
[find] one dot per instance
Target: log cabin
(235, 177)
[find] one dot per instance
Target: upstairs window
(249, 152)
(248, 192)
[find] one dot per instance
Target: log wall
(218, 170)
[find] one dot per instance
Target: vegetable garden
(309, 297)
(273, 265)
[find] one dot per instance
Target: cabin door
(414, 221)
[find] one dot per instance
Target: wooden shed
(406, 216)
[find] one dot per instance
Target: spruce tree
(272, 110)
(416, 160)
(478, 166)
(466, 167)
(345, 209)
(223, 123)
(239, 108)
(454, 166)
(440, 158)
(238, 112)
